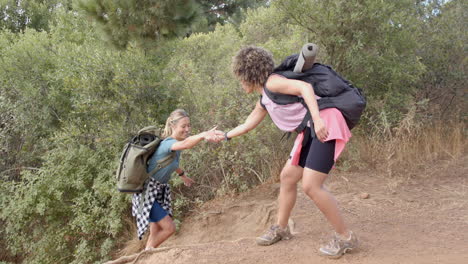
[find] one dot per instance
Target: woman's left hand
(214, 135)
(187, 181)
(320, 129)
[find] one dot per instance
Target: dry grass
(276, 163)
(410, 146)
(130, 243)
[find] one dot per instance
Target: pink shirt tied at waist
(337, 130)
(288, 117)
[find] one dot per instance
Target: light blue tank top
(163, 175)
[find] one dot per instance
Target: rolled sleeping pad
(306, 57)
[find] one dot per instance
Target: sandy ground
(419, 218)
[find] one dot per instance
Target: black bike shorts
(316, 155)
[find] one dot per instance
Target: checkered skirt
(142, 203)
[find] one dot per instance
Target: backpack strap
(285, 99)
(164, 162)
(261, 104)
(305, 120)
(282, 99)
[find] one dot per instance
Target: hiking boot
(274, 234)
(338, 246)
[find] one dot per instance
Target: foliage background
(73, 89)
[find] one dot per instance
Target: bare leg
(154, 229)
(289, 177)
(312, 184)
(160, 231)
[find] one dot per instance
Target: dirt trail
(415, 219)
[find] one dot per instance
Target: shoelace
(334, 243)
(272, 231)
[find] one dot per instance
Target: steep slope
(420, 218)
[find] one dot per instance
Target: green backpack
(131, 173)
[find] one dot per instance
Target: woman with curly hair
(312, 156)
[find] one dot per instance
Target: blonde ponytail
(173, 118)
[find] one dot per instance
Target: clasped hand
(214, 135)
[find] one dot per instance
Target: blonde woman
(153, 206)
(312, 157)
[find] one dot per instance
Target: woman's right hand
(187, 181)
(214, 135)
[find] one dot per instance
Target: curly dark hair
(253, 65)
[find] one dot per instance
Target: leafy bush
(68, 206)
(70, 104)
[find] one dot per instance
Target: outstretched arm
(252, 121)
(191, 141)
(296, 87)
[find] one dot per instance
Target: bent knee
(311, 189)
(288, 183)
(170, 229)
(288, 178)
(167, 225)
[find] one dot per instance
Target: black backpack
(334, 90)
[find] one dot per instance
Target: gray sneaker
(338, 246)
(274, 234)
